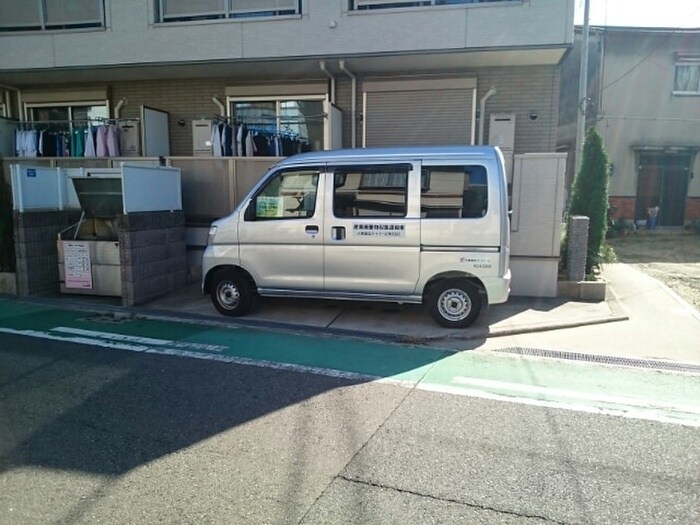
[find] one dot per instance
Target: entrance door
(663, 181)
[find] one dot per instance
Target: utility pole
(582, 88)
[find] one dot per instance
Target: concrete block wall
(35, 247)
(153, 255)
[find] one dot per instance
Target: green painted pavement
(659, 395)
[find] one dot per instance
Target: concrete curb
(473, 334)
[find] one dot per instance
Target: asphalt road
(90, 434)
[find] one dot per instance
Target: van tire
(231, 293)
(454, 303)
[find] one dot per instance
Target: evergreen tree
(590, 194)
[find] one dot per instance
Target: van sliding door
(372, 229)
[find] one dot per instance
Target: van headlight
(212, 233)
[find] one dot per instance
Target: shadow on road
(106, 411)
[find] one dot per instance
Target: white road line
(572, 394)
(328, 372)
(646, 415)
(140, 340)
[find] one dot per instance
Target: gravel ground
(672, 257)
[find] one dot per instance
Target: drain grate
(604, 359)
(108, 318)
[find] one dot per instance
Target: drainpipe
(7, 99)
(222, 109)
(118, 108)
(341, 65)
(322, 65)
(482, 113)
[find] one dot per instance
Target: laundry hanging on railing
(83, 139)
(254, 139)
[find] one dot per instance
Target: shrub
(7, 243)
(590, 195)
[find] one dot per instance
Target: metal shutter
(421, 117)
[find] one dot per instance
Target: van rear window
(372, 191)
(454, 191)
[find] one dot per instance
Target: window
(687, 81)
(192, 10)
(361, 5)
(56, 117)
(281, 126)
(288, 195)
(375, 191)
(454, 191)
(38, 15)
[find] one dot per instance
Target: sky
(641, 13)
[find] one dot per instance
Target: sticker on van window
(379, 230)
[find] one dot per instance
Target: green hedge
(7, 242)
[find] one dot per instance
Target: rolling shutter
(414, 113)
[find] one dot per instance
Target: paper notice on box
(76, 260)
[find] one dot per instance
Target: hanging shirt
(249, 145)
(240, 132)
(112, 141)
(30, 144)
(215, 140)
(89, 143)
(101, 142)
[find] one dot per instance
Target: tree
(590, 194)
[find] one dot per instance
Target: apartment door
(663, 181)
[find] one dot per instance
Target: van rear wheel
(231, 293)
(454, 303)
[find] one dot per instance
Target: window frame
(366, 6)
(367, 169)
(278, 100)
(46, 25)
(226, 13)
(251, 212)
(686, 62)
(28, 106)
(433, 171)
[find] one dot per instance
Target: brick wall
(153, 255)
(36, 234)
(524, 90)
(692, 209)
(622, 207)
(520, 90)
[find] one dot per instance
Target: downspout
(322, 65)
(7, 100)
(482, 113)
(342, 67)
(118, 108)
(222, 108)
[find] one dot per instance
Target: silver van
(408, 225)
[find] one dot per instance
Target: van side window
(287, 195)
(371, 191)
(454, 191)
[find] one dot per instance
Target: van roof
(390, 154)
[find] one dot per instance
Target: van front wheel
(231, 293)
(454, 303)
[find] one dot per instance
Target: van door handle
(312, 230)
(338, 233)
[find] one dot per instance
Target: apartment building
(328, 73)
(644, 99)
